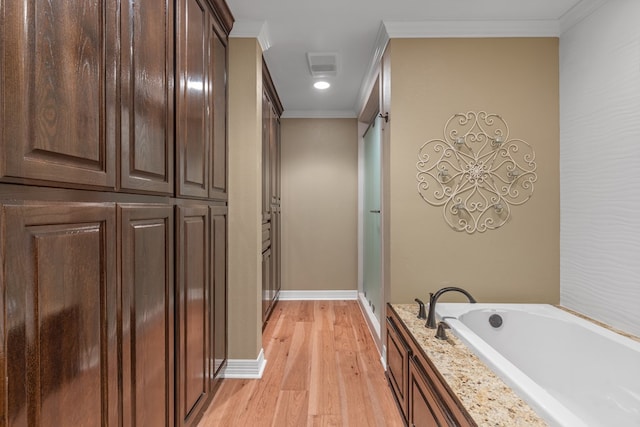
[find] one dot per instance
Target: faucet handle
(422, 313)
(441, 333)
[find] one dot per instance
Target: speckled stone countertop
(488, 400)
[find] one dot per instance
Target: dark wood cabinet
(147, 253)
(271, 222)
(423, 397)
(192, 109)
(425, 407)
(59, 283)
(59, 73)
(398, 353)
(147, 122)
(218, 264)
(200, 102)
(193, 310)
(112, 285)
(218, 107)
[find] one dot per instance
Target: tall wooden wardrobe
(113, 210)
(271, 197)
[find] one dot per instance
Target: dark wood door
(425, 407)
(266, 283)
(147, 314)
(219, 278)
(59, 279)
(218, 103)
(192, 87)
(193, 309)
(59, 84)
(266, 157)
(398, 353)
(147, 96)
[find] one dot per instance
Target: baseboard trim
(245, 368)
(318, 295)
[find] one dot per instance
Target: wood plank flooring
(323, 369)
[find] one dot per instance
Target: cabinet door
(191, 99)
(219, 278)
(266, 158)
(266, 284)
(218, 102)
(59, 84)
(193, 309)
(398, 353)
(425, 407)
(147, 315)
(59, 279)
(147, 96)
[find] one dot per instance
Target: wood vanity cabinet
(398, 354)
(424, 398)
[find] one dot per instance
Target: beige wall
(432, 79)
(245, 196)
(319, 204)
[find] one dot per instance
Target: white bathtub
(570, 371)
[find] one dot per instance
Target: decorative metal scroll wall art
(476, 172)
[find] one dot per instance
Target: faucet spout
(431, 317)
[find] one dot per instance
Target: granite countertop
(488, 400)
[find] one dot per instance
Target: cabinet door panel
(58, 79)
(425, 407)
(218, 66)
(192, 311)
(60, 285)
(219, 277)
(147, 314)
(398, 353)
(266, 284)
(193, 85)
(147, 98)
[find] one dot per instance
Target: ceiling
(354, 30)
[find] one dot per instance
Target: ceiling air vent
(322, 64)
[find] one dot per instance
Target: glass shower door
(372, 284)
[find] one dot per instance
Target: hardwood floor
(323, 369)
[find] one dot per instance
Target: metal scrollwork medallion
(476, 172)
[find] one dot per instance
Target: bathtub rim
(541, 401)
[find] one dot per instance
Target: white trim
(371, 318)
(319, 114)
(578, 12)
(382, 40)
(472, 28)
(383, 358)
(318, 295)
(252, 29)
(245, 368)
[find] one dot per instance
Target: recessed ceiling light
(321, 85)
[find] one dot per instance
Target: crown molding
(252, 29)
(319, 114)
(472, 28)
(579, 12)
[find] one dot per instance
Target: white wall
(600, 165)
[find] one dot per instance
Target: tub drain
(495, 320)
